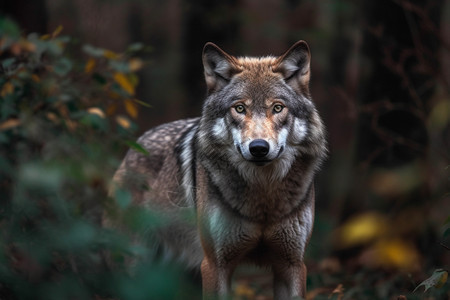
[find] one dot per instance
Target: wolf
(244, 170)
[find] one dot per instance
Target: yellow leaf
(243, 290)
(96, 111)
(71, 124)
(131, 108)
(124, 122)
(64, 111)
(124, 83)
(111, 109)
(45, 37)
(133, 78)
(440, 115)
(35, 78)
(113, 95)
(57, 31)
(8, 88)
(339, 291)
(90, 65)
(396, 253)
(27, 45)
(135, 64)
(442, 280)
(52, 117)
(110, 54)
(142, 102)
(361, 229)
(8, 124)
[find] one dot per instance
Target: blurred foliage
(64, 123)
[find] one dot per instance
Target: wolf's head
(259, 111)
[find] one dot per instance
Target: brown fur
(249, 208)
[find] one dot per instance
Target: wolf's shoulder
(167, 134)
(161, 143)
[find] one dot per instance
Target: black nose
(259, 148)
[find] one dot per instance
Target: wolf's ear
(294, 65)
(219, 67)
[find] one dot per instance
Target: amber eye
(240, 108)
(278, 108)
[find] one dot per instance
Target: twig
(446, 247)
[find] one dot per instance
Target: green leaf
(55, 48)
(99, 78)
(63, 39)
(437, 280)
(8, 62)
(120, 66)
(135, 47)
(7, 107)
(62, 66)
(8, 27)
(123, 197)
(4, 139)
(142, 103)
(31, 176)
(139, 219)
(137, 147)
(447, 221)
(446, 233)
(93, 51)
(78, 235)
(94, 121)
(5, 166)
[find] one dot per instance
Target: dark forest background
(380, 79)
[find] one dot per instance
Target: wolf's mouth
(262, 161)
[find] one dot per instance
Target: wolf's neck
(258, 193)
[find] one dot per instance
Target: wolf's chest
(262, 204)
(256, 242)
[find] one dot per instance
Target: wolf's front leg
(216, 280)
(289, 281)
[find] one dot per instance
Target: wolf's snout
(259, 148)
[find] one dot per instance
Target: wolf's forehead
(257, 72)
(257, 80)
(257, 65)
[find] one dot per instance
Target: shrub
(61, 139)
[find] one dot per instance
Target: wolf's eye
(278, 108)
(240, 109)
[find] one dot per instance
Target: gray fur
(246, 210)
